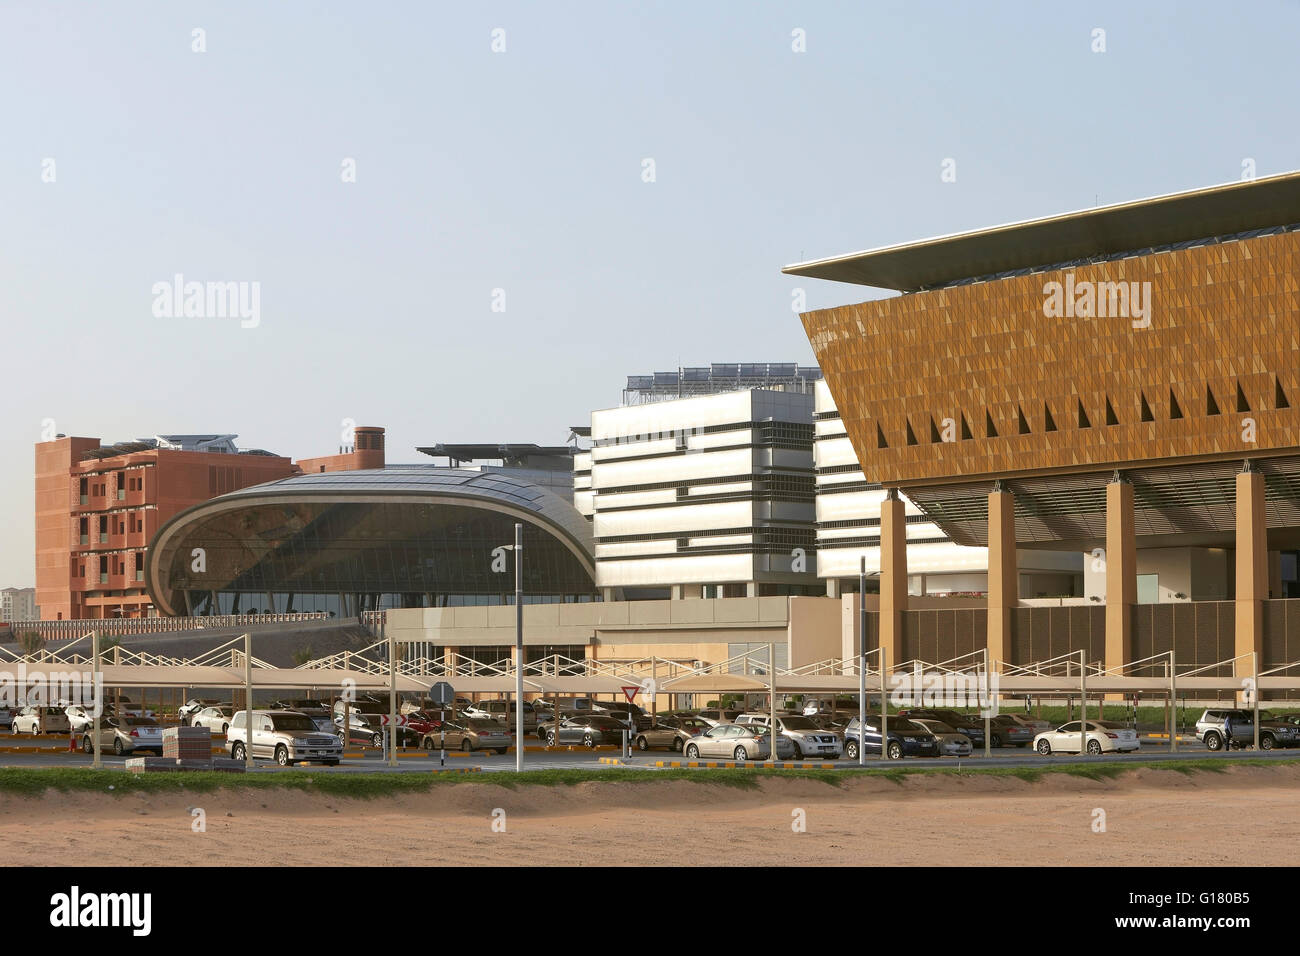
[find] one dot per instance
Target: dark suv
(906, 739)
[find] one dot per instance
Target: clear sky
(523, 171)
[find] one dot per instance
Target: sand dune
(1151, 817)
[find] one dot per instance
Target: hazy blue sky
(522, 171)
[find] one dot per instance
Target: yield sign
(630, 691)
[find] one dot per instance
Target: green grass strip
(30, 781)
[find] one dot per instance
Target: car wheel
(13, 729)
(588, 740)
(1044, 748)
(467, 746)
(740, 755)
(851, 750)
(1094, 747)
(798, 752)
(895, 750)
(1213, 742)
(225, 728)
(237, 752)
(677, 745)
(995, 741)
(117, 746)
(87, 745)
(550, 738)
(282, 755)
(377, 740)
(1266, 742)
(642, 743)
(692, 751)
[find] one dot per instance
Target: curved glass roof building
(349, 541)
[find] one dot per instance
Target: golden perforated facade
(1212, 372)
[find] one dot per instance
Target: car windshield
(937, 726)
(292, 722)
(481, 724)
(798, 723)
(141, 722)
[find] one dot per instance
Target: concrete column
(751, 589)
(1121, 572)
(1252, 567)
(833, 587)
(893, 575)
(1004, 577)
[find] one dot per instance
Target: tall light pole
(98, 762)
(862, 664)
(392, 695)
(519, 650)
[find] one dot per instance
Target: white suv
(285, 735)
(809, 739)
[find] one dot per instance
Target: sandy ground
(1152, 817)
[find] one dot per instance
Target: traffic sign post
(442, 694)
(630, 692)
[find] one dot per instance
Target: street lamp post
(519, 650)
(862, 664)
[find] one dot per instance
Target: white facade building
(703, 497)
(848, 529)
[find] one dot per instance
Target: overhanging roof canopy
(1195, 214)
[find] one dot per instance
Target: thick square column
(1252, 568)
(1004, 575)
(893, 575)
(1121, 572)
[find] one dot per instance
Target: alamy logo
(179, 299)
(74, 908)
(1087, 299)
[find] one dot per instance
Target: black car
(969, 724)
(1006, 731)
(588, 730)
(906, 739)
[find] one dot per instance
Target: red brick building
(98, 507)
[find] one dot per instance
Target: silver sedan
(951, 742)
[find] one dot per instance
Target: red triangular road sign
(630, 691)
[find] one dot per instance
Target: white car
(40, 720)
(195, 704)
(215, 719)
(1104, 736)
(79, 718)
